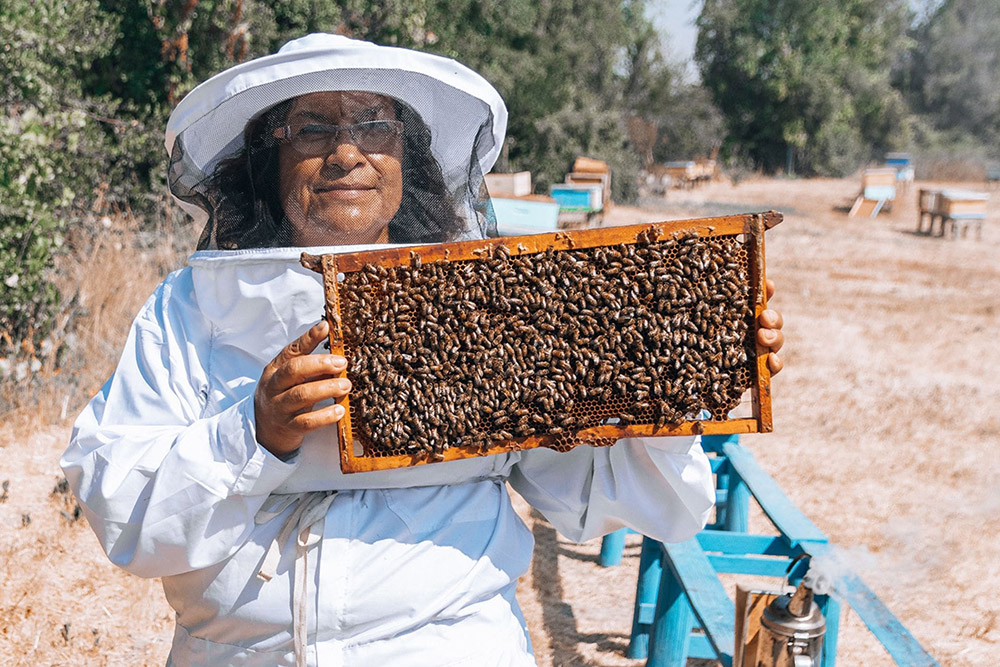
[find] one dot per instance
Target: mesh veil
(226, 166)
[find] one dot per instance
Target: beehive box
(881, 177)
(517, 217)
(683, 171)
(961, 203)
(593, 178)
(517, 184)
(879, 184)
(578, 196)
(929, 201)
(550, 340)
(706, 169)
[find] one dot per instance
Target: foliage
(51, 152)
(806, 77)
(690, 125)
(571, 71)
(952, 77)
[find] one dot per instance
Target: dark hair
(245, 201)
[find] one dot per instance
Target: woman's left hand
(769, 334)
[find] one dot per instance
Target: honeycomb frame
(359, 454)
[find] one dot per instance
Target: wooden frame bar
(750, 226)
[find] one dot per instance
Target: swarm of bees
(502, 348)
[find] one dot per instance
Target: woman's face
(342, 193)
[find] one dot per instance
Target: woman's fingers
(772, 339)
(291, 384)
(304, 396)
(296, 364)
(305, 343)
(769, 334)
(771, 319)
(297, 370)
(310, 421)
(774, 363)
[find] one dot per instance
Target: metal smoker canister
(791, 634)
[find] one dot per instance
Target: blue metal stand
(672, 623)
(612, 547)
(650, 571)
(681, 608)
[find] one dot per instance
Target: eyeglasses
(316, 139)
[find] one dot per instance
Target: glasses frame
(332, 133)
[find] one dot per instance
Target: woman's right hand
(291, 385)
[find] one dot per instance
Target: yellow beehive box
(958, 203)
(878, 178)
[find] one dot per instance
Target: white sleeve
(660, 487)
(167, 488)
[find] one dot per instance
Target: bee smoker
(791, 632)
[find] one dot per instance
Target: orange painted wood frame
(750, 226)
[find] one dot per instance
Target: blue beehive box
(578, 197)
(898, 159)
(516, 217)
(903, 164)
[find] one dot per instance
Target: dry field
(887, 418)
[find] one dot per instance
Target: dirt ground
(887, 419)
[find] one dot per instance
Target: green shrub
(30, 230)
(47, 145)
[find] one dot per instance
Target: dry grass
(61, 600)
(886, 422)
(103, 279)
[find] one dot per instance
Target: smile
(344, 192)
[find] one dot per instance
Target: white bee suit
(404, 567)
(270, 562)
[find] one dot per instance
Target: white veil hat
(464, 112)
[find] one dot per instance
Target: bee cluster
(467, 353)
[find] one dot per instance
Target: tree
(571, 71)
(690, 125)
(805, 78)
(953, 75)
(51, 142)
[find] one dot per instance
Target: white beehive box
(517, 184)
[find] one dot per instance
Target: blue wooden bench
(730, 513)
(613, 545)
(681, 608)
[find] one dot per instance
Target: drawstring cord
(307, 521)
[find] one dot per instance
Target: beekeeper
(208, 459)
